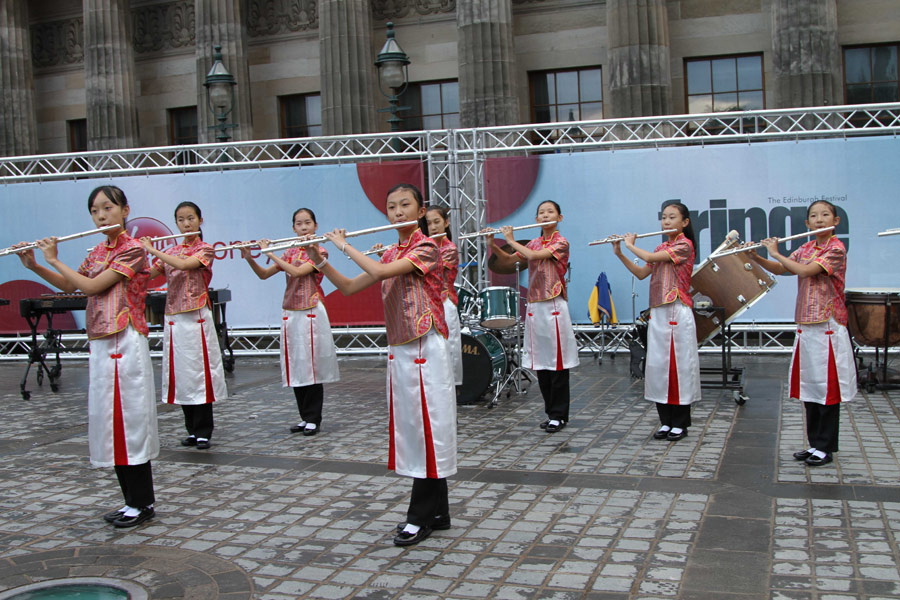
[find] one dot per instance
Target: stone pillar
(223, 23)
(18, 124)
(487, 63)
(640, 81)
(806, 57)
(347, 67)
(109, 75)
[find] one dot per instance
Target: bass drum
(867, 316)
(483, 363)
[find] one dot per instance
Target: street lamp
(219, 86)
(393, 72)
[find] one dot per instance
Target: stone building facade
(102, 74)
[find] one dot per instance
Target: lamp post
(219, 86)
(393, 72)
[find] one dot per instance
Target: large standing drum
(499, 307)
(867, 316)
(483, 363)
(733, 282)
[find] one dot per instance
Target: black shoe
(189, 441)
(661, 434)
(802, 455)
(113, 516)
(674, 437)
(202, 444)
(409, 539)
(310, 431)
(544, 424)
(439, 524)
(145, 515)
(298, 427)
(815, 461)
(551, 428)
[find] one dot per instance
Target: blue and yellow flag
(600, 304)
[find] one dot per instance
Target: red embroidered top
(821, 296)
(110, 311)
(546, 277)
(671, 281)
(187, 290)
(412, 302)
(450, 256)
(302, 293)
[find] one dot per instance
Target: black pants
(555, 390)
(198, 420)
(136, 482)
(823, 424)
(429, 500)
(309, 402)
(676, 416)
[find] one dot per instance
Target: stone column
(109, 75)
(806, 57)
(487, 63)
(223, 23)
(18, 124)
(640, 81)
(347, 67)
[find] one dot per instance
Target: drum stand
(518, 373)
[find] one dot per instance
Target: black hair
(115, 195)
(833, 208)
(685, 214)
(445, 214)
(312, 215)
(417, 194)
(192, 206)
(555, 205)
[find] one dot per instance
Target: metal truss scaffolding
(454, 163)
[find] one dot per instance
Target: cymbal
(507, 266)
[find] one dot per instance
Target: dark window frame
(285, 130)
(871, 82)
(409, 116)
(579, 102)
(737, 90)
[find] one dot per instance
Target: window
(77, 135)
(301, 115)
(432, 105)
(183, 131)
(723, 84)
(573, 95)
(871, 74)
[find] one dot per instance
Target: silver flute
(495, 230)
(895, 231)
(384, 249)
(618, 238)
(784, 239)
(320, 239)
(65, 238)
(256, 244)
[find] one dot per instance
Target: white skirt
(455, 339)
(822, 369)
(192, 370)
(308, 355)
(672, 374)
(421, 408)
(121, 401)
(549, 343)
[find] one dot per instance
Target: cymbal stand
(518, 373)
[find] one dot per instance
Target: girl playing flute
(438, 219)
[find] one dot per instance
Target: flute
(895, 231)
(65, 238)
(784, 239)
(495, 231)
(173, 236)
(322, 238)
(256, 244)
(618, 238)
(384, 249)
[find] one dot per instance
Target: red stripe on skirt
(392, 450)
(170, 398)
(559, 360)
(795, 372)
(430, 462)
(120, 450)
(833, 387)
(673, 397)
(207, 376)
(284, 350)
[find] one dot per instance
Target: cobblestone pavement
(598, 510)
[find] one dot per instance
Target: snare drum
(155, 311)
(483, 363)
(499, 307)
(867, 310)
(733, 282)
